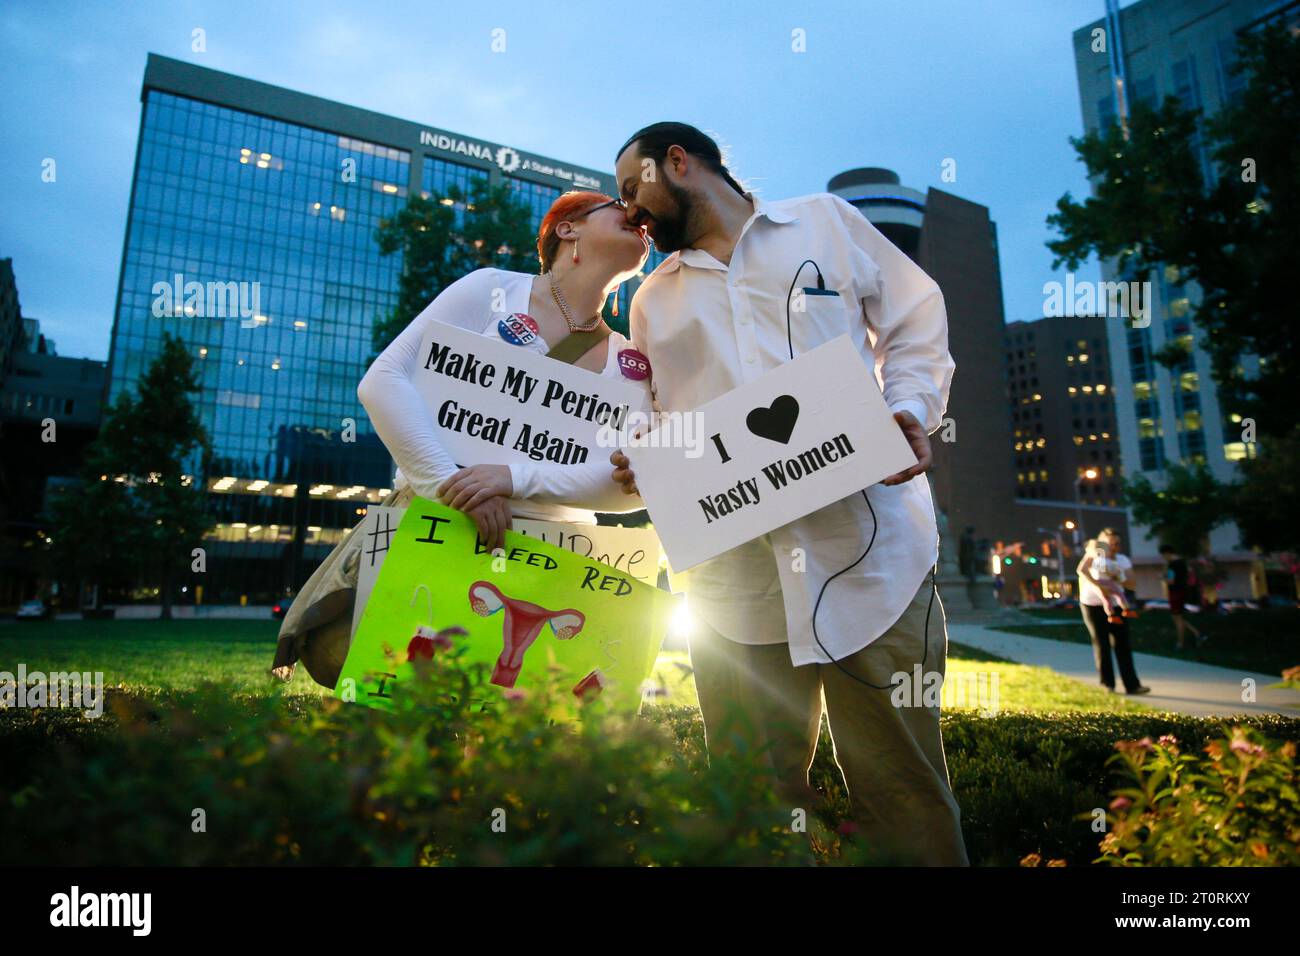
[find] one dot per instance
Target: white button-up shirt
(707, 328)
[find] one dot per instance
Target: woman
(1107, 634)
(586, 248)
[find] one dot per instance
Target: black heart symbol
(775, 423)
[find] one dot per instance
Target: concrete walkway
(1186, 687)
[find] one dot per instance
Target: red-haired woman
(587, 248)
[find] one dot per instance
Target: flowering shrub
(1236, 806)
(457, 774)
(1290, 678)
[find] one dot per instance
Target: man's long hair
(653, 141)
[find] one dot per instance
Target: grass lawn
(157, 656)
(1267, 640)
(1027, 777)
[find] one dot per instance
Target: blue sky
(904, 85)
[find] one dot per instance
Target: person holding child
(1109, 632)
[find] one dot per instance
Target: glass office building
(251, 236)
(1164, 416)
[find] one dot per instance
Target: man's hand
(915, 434)
(471, 486)
(623, 473)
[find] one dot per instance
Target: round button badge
(518, 329)
(633, 364)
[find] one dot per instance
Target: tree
(1264, 503)
(172, 511)
(134, 516)
(1234, 238)
(95, 536)
(493, 230)
(1184, 512)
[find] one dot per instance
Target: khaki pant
(891, 757)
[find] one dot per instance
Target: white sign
(807, 433)
(377, 530)
(634, 551)
(493, 403)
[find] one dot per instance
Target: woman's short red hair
(563, 209)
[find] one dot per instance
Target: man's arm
(908, 324)
(909, 329)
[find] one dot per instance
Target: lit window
(1237, 450)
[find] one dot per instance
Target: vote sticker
(518, 329)
(633, 364)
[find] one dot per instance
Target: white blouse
(545, 490)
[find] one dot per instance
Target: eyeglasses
(617, 203)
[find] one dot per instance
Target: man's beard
(672, 233)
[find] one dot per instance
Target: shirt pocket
(824, 317)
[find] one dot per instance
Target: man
(1176, 586)
(776, 632)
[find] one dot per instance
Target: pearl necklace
(563, 304)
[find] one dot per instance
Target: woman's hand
(493, 519)
(470, 487)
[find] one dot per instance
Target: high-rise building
(956, 243)
(1064, 449)
(49, 413)
(268, 199)
(1062, 411)
(1154, 49)
(11, 318)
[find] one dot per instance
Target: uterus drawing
(521, 623)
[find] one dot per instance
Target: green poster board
(530, 608)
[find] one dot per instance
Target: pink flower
(1127, 746)
(1121, 803)
(1243, 746)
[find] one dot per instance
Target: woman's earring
(575, 250)
(614, 310)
